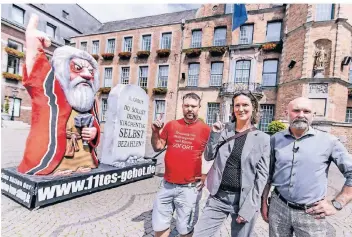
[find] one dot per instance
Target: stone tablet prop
(125, 129)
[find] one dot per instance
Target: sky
(113, 12)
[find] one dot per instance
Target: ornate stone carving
(318, 88)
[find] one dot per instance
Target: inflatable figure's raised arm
(35, 40)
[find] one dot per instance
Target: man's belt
(292, 204)
(185, 185)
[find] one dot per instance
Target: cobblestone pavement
(121, 211)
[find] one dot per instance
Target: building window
(159, 109)
(228, 8)
(18, 14)
(267, 115)
(220, 36)
(50, 30)
(104, 108)
(242, 74)
(212, 113)
(196, 39)
(73, 45)
(95, 47)
(13, 62)
(84, 46)
(111, 46)
(270, 72)
(65, 15)
(350, 75)
(216, 73)
(163, 76)
(246, 34)
(108, 77)
(273, 31)
(193, 74)
(125, 75)
(146, 42)
(15, 45)
(143, 77)
(17, 109)
(166, 41)
(324, 12)
(349, 115)
(127, 46)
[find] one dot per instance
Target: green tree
(7, 105)
(276, 126)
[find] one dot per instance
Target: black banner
(34, 191)
(18, 188)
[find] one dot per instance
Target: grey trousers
(284, 220)
(216, 211)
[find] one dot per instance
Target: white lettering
(78, 186)
(107, 179)
(4, 176)
(114, 178)
(5, 186)
(129, 174)
(46, 193)
(63, 189)
(123, 176)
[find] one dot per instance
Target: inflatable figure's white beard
(80, 94)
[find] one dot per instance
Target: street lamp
(14, 94)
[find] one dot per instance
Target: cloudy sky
(113, 12)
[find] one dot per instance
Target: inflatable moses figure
(64, 129)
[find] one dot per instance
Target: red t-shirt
(185, 146)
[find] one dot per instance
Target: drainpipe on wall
(179, 69)
(337, 29)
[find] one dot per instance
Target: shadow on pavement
(148, 230)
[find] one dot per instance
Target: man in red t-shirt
(180, 190)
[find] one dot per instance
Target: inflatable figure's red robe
(46, 142)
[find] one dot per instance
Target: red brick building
(272, 53)
(283, 51)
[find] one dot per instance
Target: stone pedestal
(319, 73)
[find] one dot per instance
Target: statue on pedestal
(321, 58)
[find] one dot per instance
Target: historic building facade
(59, 21)
(283, 51)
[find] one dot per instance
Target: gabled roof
(78, 18)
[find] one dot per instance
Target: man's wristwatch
(337, 205)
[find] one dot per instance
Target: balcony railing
(229, 89)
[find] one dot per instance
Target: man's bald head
(300, 113)
(300, 102)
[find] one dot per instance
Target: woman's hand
(241, 220)
(218, 126)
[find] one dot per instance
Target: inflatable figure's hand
(89, 134)
(35, 40)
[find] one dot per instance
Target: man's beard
(300, 124)
(190, 116)
(80, 96)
